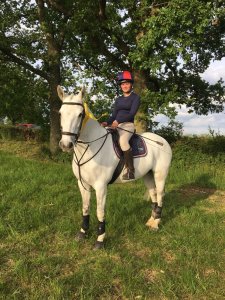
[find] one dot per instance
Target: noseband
(83, 116)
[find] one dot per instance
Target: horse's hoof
(154, 229)
(98, 245)
(80, 236)
(153, 224)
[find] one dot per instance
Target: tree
(179, 40)
(167, 45)
(32, 36)
(46, 38)
(23, 96)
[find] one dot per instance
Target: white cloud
(201, 124)
(197, 124)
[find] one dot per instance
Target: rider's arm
(113, 115)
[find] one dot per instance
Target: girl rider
(122, 118)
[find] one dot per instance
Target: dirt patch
(214, 200)
(169, 256)
(152, 275)
(193, 190)
(209, 272)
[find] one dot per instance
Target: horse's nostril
(70, 145)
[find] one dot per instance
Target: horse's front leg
(86, 195)
(101, 192)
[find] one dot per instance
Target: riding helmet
(124, 76)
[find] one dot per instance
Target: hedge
(10, 132)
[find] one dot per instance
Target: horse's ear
(60, 92)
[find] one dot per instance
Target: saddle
(138, 147)
(137, 144)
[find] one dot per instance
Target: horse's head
(72, 113)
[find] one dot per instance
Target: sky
(195, 124)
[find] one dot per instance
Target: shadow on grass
(187, 196)
(132, 211)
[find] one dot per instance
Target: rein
(78, 161)
(81, 142)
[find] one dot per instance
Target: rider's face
(126, 87)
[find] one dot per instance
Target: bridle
(76, 135)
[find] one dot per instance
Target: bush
(171, 132)
(200, 149)
(9, 132)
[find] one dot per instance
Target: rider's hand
(115, 124)
(104, 124)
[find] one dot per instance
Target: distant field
(40, 212)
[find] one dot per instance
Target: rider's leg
(128, 156)
(126, 130)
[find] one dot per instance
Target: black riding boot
(129, 164)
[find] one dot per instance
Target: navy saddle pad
(137, 144)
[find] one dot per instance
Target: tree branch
(102, 7)
(19, 61)
(57, 6)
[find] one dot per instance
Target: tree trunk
(52, 63)
(54, 119)
(139, 86)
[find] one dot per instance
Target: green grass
(40, 213)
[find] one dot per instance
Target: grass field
(40, 213)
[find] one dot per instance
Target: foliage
(24, 100)
(171, 132)
(10, 132)
(176, 44)
(166, 44)
(205, 149)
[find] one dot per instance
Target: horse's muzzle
(67, 143)
(66, 147)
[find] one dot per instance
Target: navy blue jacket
(125, 108)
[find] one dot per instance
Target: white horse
(95, 160)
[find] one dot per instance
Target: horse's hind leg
(86, 195)
(150, 185)
(155, 183)
(151, 189)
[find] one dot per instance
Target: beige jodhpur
(125, 136)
